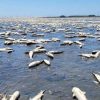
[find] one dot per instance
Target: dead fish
(38, 96)
(39, 50)
(47, 62)
(1, 96)
(67, 42)
(79, 43)
(55, 39)
(30, 42)
(91, 55)
(69, 36)
(34, 34)
(2, 33)
(6, 50)
(15, 96)
(40, 35)
(39, 46)
(95, 51)
(7, 33)
(82, 39)
(4, 98)
(31, 54)
(8, 42)
(79, 94)
(86, 55)
(42, 40)
(56, 52)
(97, 77)
(10, 39)
(81, 34)
(49, 54)
(34, 63)
(98, 39)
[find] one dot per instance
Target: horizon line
(90, 15)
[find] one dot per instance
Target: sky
(40, 8)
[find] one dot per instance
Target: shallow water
(66, 70)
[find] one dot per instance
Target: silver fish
(31, 54)
(79, 94)
(47, 62)
(34, 63)
(38, 96)
(15, 95)
(49, 54)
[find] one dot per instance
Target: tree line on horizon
(63, 16)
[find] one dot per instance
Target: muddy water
(66, 70)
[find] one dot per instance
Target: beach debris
(78, 94)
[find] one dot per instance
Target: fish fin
(95, 82)
(73, 95)
(83, 92)
(42, 91)
(31, 58)
(30, 98)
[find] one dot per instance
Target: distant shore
(63, 16)
(54, 19)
